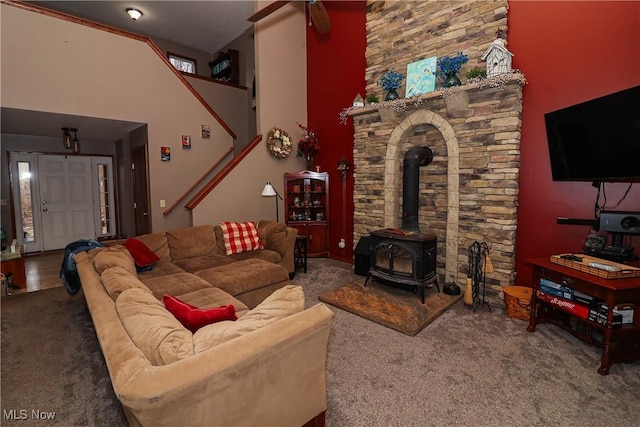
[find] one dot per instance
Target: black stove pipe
(413, 159)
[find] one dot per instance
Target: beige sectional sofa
(201, 251)
(266, 368)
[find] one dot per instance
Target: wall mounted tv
(597, 140)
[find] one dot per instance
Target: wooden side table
(14, 263)
(300, 252)
(619, 344)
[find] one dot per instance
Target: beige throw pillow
(284, 302)
(155, 331)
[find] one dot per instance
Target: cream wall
(280, 44)
(202, 58)
(246, 47)
(228, 102)
(52, 65)
(243, 44)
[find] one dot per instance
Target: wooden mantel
(403, 103)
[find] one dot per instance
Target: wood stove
(403, 257)
(406, 256)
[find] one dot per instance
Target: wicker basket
(517, 299)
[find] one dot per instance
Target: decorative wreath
(279, 143)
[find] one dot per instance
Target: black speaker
(361, 255)
(620, 222)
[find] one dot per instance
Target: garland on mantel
(400, 104)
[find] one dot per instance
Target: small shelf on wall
(226, 67)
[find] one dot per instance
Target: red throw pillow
(142, 255)
(240, 237)
(194, 318)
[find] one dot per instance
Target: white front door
(66, 200)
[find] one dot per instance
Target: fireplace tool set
(479, 265)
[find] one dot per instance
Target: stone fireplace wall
(401, 32)
(469, 192)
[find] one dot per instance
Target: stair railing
(204, 191)
(198, 182)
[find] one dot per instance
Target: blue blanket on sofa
(68, 272)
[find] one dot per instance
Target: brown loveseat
(266, 368)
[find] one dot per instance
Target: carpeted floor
(480, 369)
(465, 369)
(52, 363)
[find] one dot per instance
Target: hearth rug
(392, 307)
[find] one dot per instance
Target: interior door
(139, 159)
(66, 200)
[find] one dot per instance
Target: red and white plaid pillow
(240, 237)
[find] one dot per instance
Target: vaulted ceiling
(204, 25)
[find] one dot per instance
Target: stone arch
(393, 179)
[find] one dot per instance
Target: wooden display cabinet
(306, 203)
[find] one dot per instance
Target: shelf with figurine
(307, 208)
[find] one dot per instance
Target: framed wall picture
(206, 131)
(186, 142)
(165, 154)
(421, 77)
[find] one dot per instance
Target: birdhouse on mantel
(498, 58)
(358, 101)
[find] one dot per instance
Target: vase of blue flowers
(448, 68)
(451, 79)
(391, 82)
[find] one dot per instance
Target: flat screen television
(597, 140)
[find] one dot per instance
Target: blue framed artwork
(421, 77)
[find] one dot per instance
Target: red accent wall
(569, 52)
(335, 73)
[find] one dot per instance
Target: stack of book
(581, 305)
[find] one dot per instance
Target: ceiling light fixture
(75, 143)
(66, 138)
(135, 14)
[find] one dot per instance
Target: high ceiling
(38, 123)
(204, 25)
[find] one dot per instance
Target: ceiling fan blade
(266, 11)
(319, 16)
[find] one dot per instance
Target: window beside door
(103, 188)
(26, 201)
